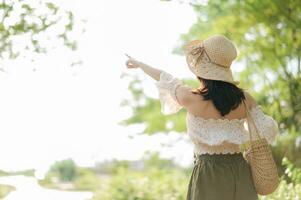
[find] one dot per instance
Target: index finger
(128, 55)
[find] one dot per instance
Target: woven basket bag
(259, 156)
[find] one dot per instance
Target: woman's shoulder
(250, 100)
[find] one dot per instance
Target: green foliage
(27, 172)
(66, 170)
(87, 179)
(3, 173)
(159, 179)
(33, 23)
(292, 171)
(152, 160)
(116, 164)
(5, 190)
(152, 184)
(48, 180)
(287, 146)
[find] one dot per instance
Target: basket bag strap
(249, 118)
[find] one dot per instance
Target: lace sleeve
(167, 85)
(265, 124)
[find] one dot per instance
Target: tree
(27, 25)
(66, 170)
(152, 160)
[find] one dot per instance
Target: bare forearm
(151, 71)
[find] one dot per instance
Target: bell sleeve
(167, 85)
(266, 125)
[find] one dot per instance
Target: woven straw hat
(211, 58)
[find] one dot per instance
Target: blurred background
(76, 124)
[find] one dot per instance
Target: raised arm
(172, 92)
(151, 71)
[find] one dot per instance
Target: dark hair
(225, 96)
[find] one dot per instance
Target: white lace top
(214, 136)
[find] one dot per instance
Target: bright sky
(58, 111)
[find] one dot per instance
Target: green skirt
(221, 177)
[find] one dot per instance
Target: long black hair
(225, 96)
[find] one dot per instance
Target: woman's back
(207, 110)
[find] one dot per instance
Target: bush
(5, 190)
(293, 172)
(287, 145)
(153, 184)
(66, 170)
(87, 180)
(285, 191)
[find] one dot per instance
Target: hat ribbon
(199, 51)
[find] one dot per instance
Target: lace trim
(225, 148)
(217, 120)
(216, 131)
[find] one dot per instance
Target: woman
(216, 117)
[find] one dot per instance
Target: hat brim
(212, 71)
